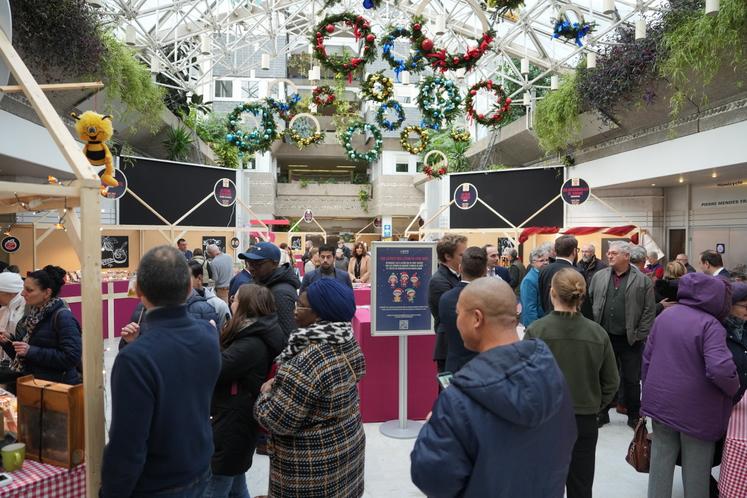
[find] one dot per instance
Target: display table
(378, 388)
(116, 306)
(362, 293)
(38, 480)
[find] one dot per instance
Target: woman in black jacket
(47, 341)
(249, 343)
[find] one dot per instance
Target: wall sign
(387, 232)
(721, 248)
(399, 287)
(575, 191)
(308, 216)
(115, 192)
(114, 251)
(217, 240)
(235, 243)
(225, 192)
(465, 196)
(11, 244)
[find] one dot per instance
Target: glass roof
(187, 38)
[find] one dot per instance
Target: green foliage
(303, 183)
(455, 151)
(345, 114)
(128, 80)
(178, 143)
(698, 46)
(363, 198)
(557, 117)
(226, 155)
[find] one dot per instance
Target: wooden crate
(50, 421)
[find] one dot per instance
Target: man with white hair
(638, 257)
(531, 306)
(654, 269)
(622, 300)
(222, 265)
(589, 264)
(12, 304)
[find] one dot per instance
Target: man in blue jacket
(326, 269)
(160, 439)
(505, 427)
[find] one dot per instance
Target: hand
(428, 417)
(4, 337)
(130, 332)
(667, 303)
(22, 348)
(267, 386)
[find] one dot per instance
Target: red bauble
(330, 28)
(473, 92)
(416, 26)
(456, 60)
(481, 116)
(427, 45)
(508, 101)
(370, 38)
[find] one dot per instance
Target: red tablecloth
(379, 387)
(38, 480)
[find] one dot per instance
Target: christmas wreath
(438, 100)
(377, 87)
(338, 63)
(404, 139)
(353, 154)
(443, 61)
(504, 6)
(500, 108)
(572, 31)
(460, 135)
(304, 141)
(416, 62)
(258, 140)
(286, 111)
(385, 123)
(437, 169)
(323, 95)
(369, 4)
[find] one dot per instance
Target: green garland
(404, 139)
(337, 63)
(385, 123)
(500, 109)
(353, 154)
(258, 140)
(383, 93)
(435, 106)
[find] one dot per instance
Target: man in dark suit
(712, 264)
(494, 264)
(682, 259)
(449, 251)
(474, 265)
(566, 253)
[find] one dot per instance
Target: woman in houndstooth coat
(311, 408)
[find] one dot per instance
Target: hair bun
(56, 273)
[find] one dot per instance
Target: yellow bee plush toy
(95, 130)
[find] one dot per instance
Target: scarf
(27, 326)
(316, 333)
(735, 327)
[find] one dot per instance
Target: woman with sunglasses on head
(311, 408)
(47, 341)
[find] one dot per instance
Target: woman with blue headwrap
(311, 408)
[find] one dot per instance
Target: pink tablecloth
(38, 480)
(379, 387)
(116, 306)
(362, 295)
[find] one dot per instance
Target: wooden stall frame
(84, 235)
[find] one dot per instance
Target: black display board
(516, 194)
(115, 252)
(172, 189)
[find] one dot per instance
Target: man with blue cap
(263, 260)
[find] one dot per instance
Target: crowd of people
(217, 365)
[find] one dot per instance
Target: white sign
(720, 195)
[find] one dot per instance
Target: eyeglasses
(302, 307)
(741, 305)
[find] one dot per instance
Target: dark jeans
(581, 472)
(194, 489)
(630, 358)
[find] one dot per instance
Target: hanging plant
(557, 119)
(460, 135)
(381, 113)
(500, 107)
(443, 61)
(178, 143)
(416, 62)
(572, 31)
(361, 127)
(361, 31)
(404, 139)
(286, 110)
(323, 95)
(377, 87)
(438, 101)
(257, 140)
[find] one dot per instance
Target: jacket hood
(706, 293)
(208, 293)
(195, 297)
(520, 382)
(266, 328)
(283, 274)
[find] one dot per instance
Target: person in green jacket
(584, 353)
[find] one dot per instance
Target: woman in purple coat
(689, 380)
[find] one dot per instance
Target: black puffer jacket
(246, 362)
(284, 284)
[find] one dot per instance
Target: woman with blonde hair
(665, 289)
(584, 354)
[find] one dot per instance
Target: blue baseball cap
(261, 251)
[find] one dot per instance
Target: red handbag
(639, 451)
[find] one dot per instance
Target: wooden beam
(56, 87)
(47, 233)
(148, 207)
(93, 341)
(49, 205)
(185, 215)
(23, 189)
(72, 224)
(71, 151)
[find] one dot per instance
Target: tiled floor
(388, 461)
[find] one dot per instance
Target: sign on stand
(401, 274)
(575, 191)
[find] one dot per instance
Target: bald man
(506, 422)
